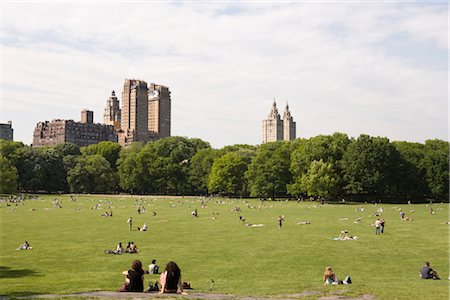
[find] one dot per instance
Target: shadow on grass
(7, 272)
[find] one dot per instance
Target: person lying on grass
(170, 279)
(329, 277)
(25, 246)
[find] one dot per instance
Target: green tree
(92, 174)
(411, 175)
(328, 148)
(319, 180)
(370, 165)
(199, 170)
(109, 150)
(268, 174)
(128, 170)
(8, 176)
(436, 164)
(228, 173)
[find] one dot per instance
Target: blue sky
(356, 67)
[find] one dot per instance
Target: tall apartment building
(6, 131)
(159, 110)
(146, 112)
(276, 129)
(81, 133)
(112, 114)
(134, 119)
(289, 126)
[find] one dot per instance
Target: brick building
(82, 133)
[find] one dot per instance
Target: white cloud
(224, 65)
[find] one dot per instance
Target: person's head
(427, 263)
(120, 244)
(153, 261)
(173, 271)
(328, 270)
(136, 265)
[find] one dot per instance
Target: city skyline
(373, 68)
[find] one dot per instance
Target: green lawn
(69, 242)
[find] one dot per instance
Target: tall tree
(92, 174)
(109, 150)
(436, 163)
(268, 174)
(227, 175)
(328, 148)
(370, 165)
(8, 176)
(319, 180)
(411, 175)
(199, 170)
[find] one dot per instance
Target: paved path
(193, 295)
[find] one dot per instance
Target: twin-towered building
(277, 129)
(145, 115)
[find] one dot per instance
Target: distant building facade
(159, 110)
(276, 129)
(82, 133)
(145, 113)
(112, 114)
(6, 131)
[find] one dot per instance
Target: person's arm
(180, 286)
(125, 273)
(162, 280)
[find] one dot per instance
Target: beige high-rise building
(134, 118)
(276, 129)
(112, 114)
(273, 126)
(159, 110)
(289, 126)
(87, 116)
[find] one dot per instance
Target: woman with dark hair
(134, 281)
(170, 279)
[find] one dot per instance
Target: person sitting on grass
(170, 279)
(25, 246)
(329, 277)
(119, 249)
(428, 273)
(133, 248)
(134, 278)
(153, 268)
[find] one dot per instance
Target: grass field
(69, 242)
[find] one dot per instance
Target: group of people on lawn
(170, 279)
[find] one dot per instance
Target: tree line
(328, 166)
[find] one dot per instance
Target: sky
(357, 67)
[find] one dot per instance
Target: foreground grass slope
(69, 243)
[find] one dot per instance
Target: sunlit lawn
(69, 243)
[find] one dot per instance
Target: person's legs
(347, 280)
